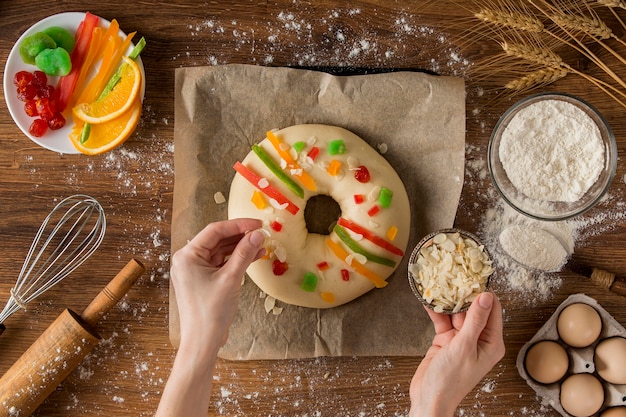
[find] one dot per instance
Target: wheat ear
(593, 27)
(542, 56)
(613, 3)
(536, 79)
(511, 20)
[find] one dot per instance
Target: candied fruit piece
(385, 197)
(32, 46)
(362, 174)
(373, 211)
(279, 268)
(336, 147)
(392, 232)
(26, 92)
(30, 108)
(38, 128)
(55, 61)
(313, 153)
(359, 199)
(309, 283)
(334, 167)
(56, 122)
(345, 275)
(329, 297)
(44, 109)
(62, 37)
(22, 78)
(323, 266)
(39, 79)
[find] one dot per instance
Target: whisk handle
(113, 292)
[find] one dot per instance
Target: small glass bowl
(427, 241)
(542, 209)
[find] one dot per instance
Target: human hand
(465, 347)
(207, 274)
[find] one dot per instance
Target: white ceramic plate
(54, 140)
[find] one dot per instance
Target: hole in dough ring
(305, 252)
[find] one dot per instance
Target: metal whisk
(67, 237)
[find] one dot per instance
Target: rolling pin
(57, 352)
(600, 277)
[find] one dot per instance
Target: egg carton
(581, 359)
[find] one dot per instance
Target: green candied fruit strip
(344, 236)
(336, 147)
(32, 45)
(385, 197)
(269, 162)
(62, 37)
(310, 282)
(55, 61)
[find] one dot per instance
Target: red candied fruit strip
(375, 239)
(270, 191)
(373, 211)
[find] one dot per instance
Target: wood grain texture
(126, 372)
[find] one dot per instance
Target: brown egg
(579, 325)
(546, 362)
(610, 360)
(582, 395)
(614, 412)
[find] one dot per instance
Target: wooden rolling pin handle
(113, 292)
(619, 287)
(608, 280)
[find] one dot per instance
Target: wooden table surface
(126, 372)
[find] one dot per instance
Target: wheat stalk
(510, 19)
(588, 25)
(542, 56)
(536, 79)
(613, 3)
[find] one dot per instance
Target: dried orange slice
(105, 136)
(117, 101)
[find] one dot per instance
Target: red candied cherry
(26, 92)
(45, 91)
(362, 174)
(57, 121)
(278, 267)
(38, 128)
(22, 78)
(44, 110)
(30, 108)
(39, 79)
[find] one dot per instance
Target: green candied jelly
(62, 37)
(298, 146)
(336, 147)
(310, 282)
(385, 196)
(32, 45)
(54, 61)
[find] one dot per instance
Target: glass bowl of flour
(552, 156)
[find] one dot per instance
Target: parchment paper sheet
(220, 111)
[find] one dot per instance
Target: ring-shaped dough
(309, 269)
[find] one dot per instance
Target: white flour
(534, 247)
(552, 151)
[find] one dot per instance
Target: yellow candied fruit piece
(329, 297)
(392, 233)
(334, 167)
(258, 200)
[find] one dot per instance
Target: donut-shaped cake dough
(282, 177)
